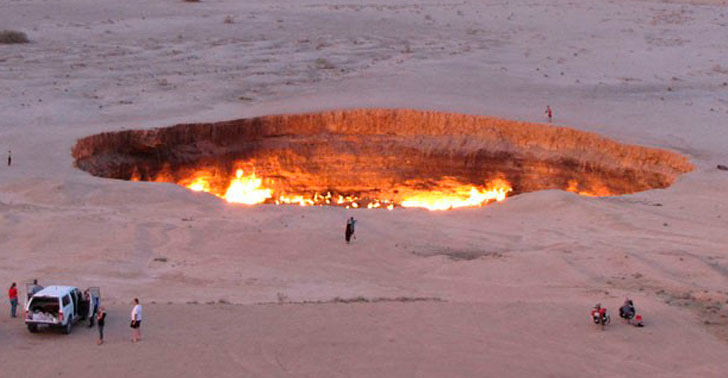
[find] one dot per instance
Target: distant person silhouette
(549, 112)
(10, 158)
(349, 229)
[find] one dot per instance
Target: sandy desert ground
(273, 291)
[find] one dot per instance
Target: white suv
(60, 306)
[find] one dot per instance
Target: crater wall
(377, 151)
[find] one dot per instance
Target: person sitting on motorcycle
(600, 315)
(627, 311)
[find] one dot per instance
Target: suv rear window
(44, 304)
(66, 301)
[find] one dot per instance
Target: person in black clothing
(101, 321)
(627, 311)
(349, 229)
(348, 232)
(10, 158)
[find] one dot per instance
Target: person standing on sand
(136, 321)
(10, 158)
(353, 223)
(13, 296)
(34, 288)
(101, 322)
(549, 112)
(350, 229)
(347, 233)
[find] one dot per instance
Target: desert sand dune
(502, 290)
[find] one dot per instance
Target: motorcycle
(600, 316)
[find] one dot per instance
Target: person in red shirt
(549, 112)
(13, 295)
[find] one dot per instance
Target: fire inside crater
(378, 158)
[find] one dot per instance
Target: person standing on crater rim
(10, 158)
(349, 229)
(549, 112)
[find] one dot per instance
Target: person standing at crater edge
(549, 112)
(347, 233)
(10, 158)
(350, 229)
(353, 223)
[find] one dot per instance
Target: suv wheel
(33, 328)
(67, 329)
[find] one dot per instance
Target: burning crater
(378, 158)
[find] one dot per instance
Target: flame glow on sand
(447, 194)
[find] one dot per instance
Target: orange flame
(461, 196)
(201, 181)
(597, 190)
(250, 190)
(200, 184)
(135, 174)
(247, 190)
(295, 200)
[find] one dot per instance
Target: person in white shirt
(136, 321)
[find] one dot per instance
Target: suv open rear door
(95, 293)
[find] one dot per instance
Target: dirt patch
(712, 307)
